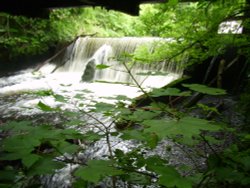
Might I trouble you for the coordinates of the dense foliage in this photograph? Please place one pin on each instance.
(194, 27)
(20, 35)
(29, 149)
(28, 36)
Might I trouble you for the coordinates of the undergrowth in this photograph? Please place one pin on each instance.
(30, 150)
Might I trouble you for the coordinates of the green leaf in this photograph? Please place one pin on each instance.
(79, 96)
(102, 66)
(29, 160)
(173, 2)
(21, 144)
(103, 107)
(45, 165)
(205, 89)
(59, 98)
(169, 176)
(70, 134)
(96, 170)
(122, 97)
(168, 92)
(141, 115)
(188, 127)
(17, 126)
(154, 161)
(65, 147)
(44, 107)
(150, 138)
(136, 178)
(133, 134)
(12, 156)
(80, 183)
(44, 93)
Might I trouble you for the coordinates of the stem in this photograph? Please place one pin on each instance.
(210, 147)
(144, 92)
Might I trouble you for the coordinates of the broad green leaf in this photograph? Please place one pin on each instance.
(29, 160)
(158, 105)
(133, 134)
(151, 139)
(136, 178)
(102, 66)
(17, 126)
(207, 108)
(173, 2)
(154, 161)
(122, 97)
(65, 147)
(103, 107)
(169, 176)
(205, 89)
(44, 107)
(79, 96)
(12, 156)
(45, 165)
(59, 98)
(188, 127)
(168, 92)
(96, 170)
(44, 93)
(80, 183)
(21, 144)
(71, 134)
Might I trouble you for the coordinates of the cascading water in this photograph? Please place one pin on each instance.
(75, 72)
(90, 52)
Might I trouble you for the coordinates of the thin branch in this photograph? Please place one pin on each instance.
(210, 147)
(144, 92)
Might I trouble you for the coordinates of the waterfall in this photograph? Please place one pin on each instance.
(86, 53)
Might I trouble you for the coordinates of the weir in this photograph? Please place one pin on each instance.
(85, 54)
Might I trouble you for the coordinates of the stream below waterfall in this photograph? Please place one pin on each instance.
(74, 76)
